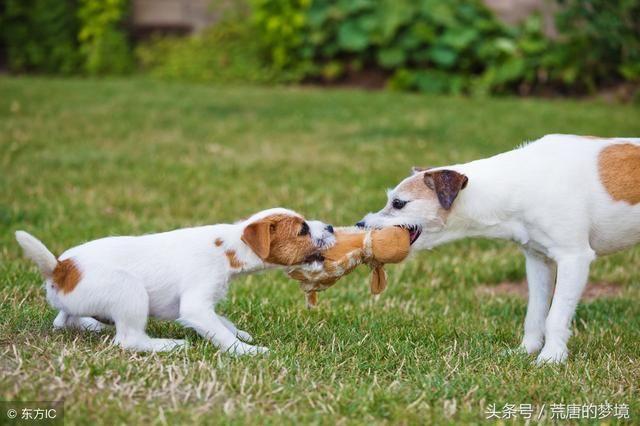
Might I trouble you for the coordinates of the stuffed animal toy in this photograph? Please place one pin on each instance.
(353, 246)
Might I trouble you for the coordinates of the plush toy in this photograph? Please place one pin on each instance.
(353, 247)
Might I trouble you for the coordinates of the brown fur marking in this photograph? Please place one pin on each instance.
(619, 167)
(66, 275)
(219, 242)
(234, 262)
(447, 184)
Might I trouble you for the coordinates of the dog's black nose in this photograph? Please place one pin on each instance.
(360, 224)
(329, 228)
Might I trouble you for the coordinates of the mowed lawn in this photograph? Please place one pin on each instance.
(83, 159)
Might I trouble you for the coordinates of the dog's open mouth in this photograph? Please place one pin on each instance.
(414, 232)
(316, 257)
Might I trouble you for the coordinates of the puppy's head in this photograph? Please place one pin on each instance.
(419, 203)
(283, 237)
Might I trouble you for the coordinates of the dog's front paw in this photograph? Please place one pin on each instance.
(552, 354)
(243, 335)
(240, 348)
(531, 344)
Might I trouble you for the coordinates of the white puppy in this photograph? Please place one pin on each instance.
(178, 275)
(563, 198)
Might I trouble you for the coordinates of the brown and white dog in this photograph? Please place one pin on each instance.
(178, 275)
(565, 199)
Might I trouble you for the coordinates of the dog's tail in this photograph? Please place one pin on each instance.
(37, 252)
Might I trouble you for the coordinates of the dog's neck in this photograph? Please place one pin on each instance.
(489, 207)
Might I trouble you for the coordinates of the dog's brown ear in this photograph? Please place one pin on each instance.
(257, 236)
(446, 184)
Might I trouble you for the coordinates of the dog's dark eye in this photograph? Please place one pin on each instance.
(398, 204)
(304, 229)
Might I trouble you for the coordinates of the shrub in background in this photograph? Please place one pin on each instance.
(451, 46)
(225, 53)
(599, 43)
(65, 36)
(428, 45)
(40, 35)
(282, 31)
(435, 46)
(103, 44)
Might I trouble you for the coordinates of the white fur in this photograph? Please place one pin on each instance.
(177, 275)
(547, 197)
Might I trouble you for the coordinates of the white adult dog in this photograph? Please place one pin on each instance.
(178, 275)
(565, 199)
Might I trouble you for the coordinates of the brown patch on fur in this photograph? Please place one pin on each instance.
(447, 184)
(234, 262)
(66, 275)
(218, 242)
(276, 239)
(520, 290)
(619, 167)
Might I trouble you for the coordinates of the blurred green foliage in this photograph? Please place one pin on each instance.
(432, 46)
(103, 44)
(40, 35)
(451, 46)
(65, 36)
(282, 27)
(600, 42)
(227, 53)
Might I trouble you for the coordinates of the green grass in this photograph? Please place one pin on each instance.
(82, 159)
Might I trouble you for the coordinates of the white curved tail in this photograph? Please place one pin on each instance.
(37, 252)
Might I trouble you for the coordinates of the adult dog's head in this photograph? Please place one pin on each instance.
(420, 203)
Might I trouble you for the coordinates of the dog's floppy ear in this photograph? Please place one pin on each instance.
(257, 236)
(447, 184)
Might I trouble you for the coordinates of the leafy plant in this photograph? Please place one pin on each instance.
(282, 33)
(452, 46)
(600, 42)
(103, 44)
(40, 35)
(228, 52)
(426, 45)
(65, 36)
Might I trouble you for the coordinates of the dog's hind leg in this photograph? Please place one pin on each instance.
(541, 272)
(125, 300)
(573, 272)
(240, 334)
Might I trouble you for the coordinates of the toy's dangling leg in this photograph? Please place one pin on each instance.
(312, 299)
(378, 279)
